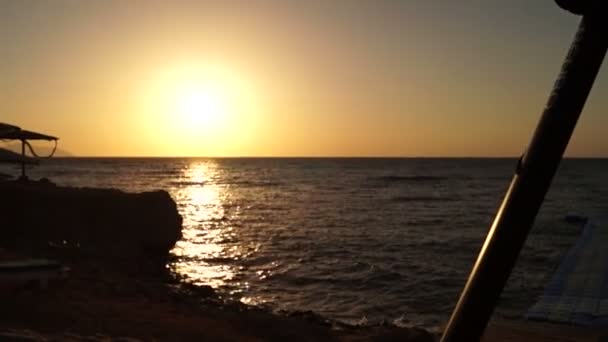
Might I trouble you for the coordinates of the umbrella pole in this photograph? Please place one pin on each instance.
(23, 162)
(531, 181)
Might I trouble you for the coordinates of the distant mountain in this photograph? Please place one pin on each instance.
(41, 150)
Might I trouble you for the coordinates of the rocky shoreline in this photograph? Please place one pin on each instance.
(96, 222)
(119, 288)
(117, 247)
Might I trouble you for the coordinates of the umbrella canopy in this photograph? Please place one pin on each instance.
(25, 135)
(6, 128)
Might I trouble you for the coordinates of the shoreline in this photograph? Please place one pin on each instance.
(116, 246)
(125, 291)
(97, 300)
(95, 303)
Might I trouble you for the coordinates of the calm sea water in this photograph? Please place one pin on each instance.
(356, 240)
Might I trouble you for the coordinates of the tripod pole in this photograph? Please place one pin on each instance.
(533, 176)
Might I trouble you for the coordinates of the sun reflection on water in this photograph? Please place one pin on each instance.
(209, 243)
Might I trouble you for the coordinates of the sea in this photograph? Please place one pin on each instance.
(355, 240)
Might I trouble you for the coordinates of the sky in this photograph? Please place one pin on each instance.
(407, 78)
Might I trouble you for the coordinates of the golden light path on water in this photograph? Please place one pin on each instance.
(210, 245)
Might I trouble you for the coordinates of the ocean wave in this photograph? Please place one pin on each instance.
(401, 179)
(245, 183)
(227, 260)
(423, 222)
(422, 199)
(169, 172)
(186, 183)
(251, 183)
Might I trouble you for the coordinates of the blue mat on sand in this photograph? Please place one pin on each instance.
(578, 291)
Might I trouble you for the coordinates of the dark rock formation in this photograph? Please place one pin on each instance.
(94, 222)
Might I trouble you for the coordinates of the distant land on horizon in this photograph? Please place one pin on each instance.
(40, 150)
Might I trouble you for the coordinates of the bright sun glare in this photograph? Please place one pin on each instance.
(201, 106)
(199, 110)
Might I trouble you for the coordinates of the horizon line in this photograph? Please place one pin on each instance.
(313, 157)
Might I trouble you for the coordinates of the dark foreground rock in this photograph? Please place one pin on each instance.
(118, 288)
(97, 222)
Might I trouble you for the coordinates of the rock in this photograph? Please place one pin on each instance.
(96, 222)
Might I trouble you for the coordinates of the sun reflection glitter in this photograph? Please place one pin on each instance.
(208, 244)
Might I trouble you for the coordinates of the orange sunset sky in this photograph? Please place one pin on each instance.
(288, 78)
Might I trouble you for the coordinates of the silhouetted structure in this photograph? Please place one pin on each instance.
(10, 132)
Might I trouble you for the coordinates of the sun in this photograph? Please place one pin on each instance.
(197, 109)
(200, 105)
